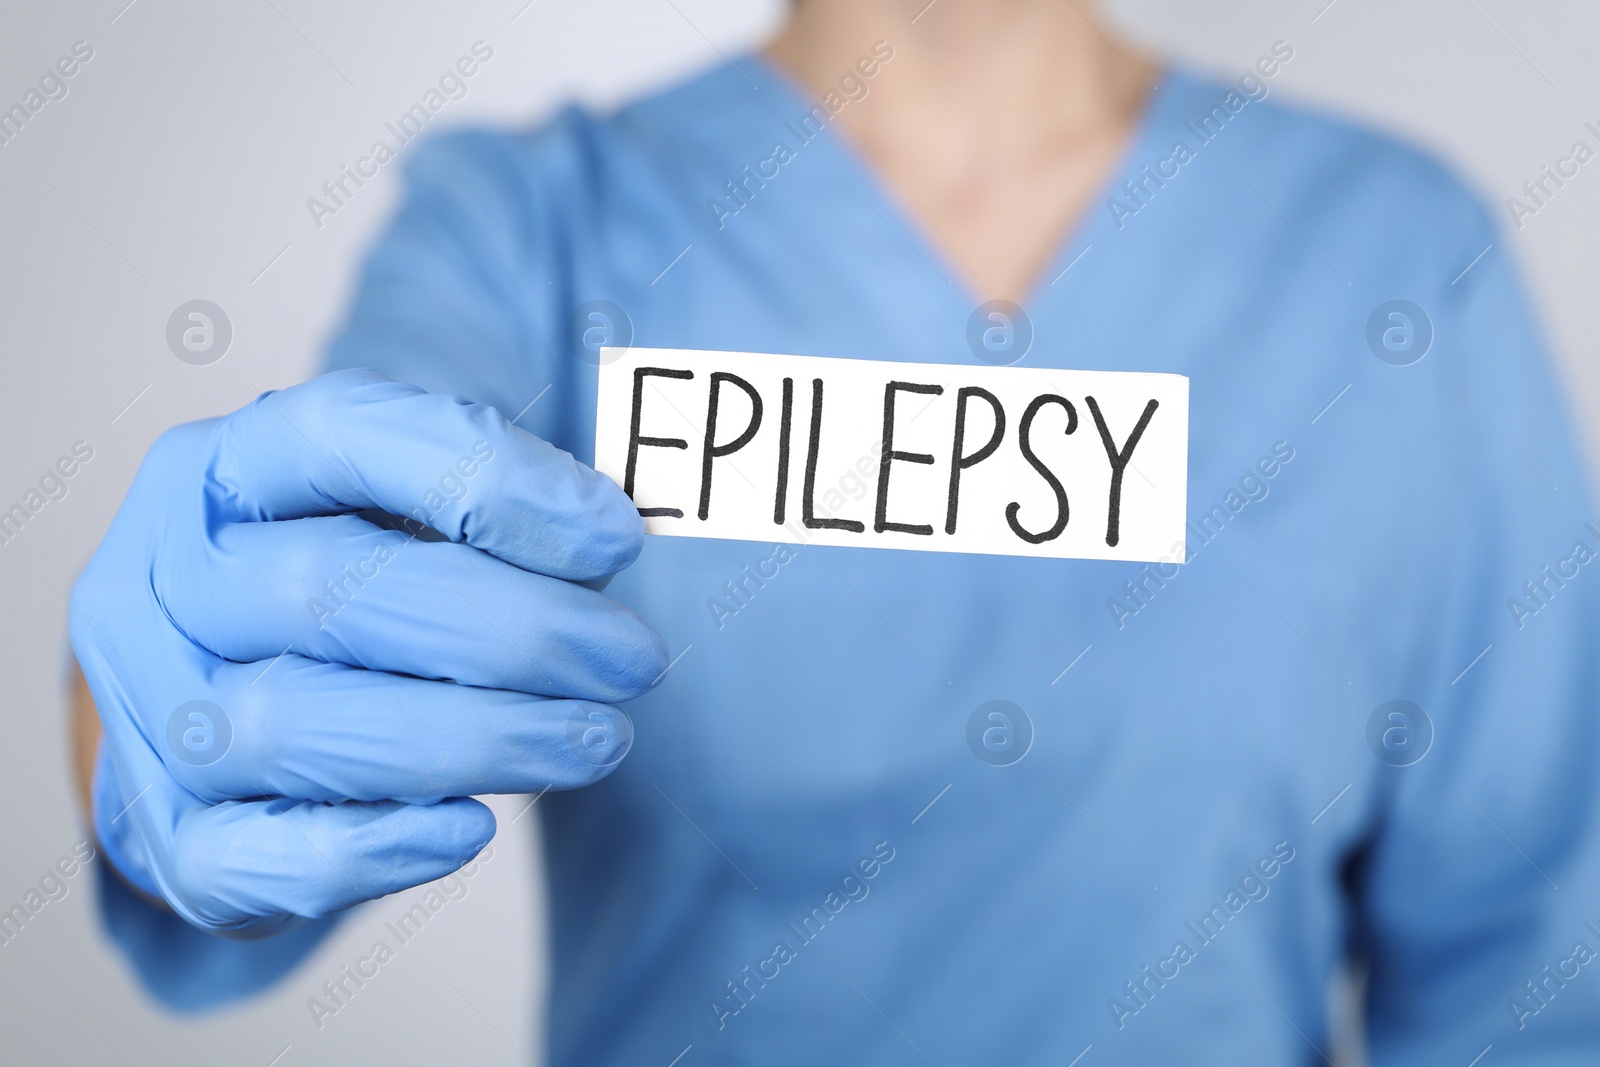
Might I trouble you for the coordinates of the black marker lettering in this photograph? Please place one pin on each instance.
(880, 521)
(712, 450)
(1119, 462)
(808, 502)
(782, 497)
(958, 462)
(1023, 442)
(635, 440)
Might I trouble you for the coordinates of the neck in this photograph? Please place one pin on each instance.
(1016, 76)
(993, 124)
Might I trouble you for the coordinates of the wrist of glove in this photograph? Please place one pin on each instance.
(119, 846)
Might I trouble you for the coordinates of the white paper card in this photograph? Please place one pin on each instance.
(937, 457)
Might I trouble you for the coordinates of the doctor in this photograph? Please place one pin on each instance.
(1332, 732)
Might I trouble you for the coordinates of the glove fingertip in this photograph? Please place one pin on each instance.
(613, 530)
(476, 825)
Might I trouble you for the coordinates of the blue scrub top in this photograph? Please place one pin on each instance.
(803, 860)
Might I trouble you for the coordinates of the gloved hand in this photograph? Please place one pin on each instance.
(298, 703)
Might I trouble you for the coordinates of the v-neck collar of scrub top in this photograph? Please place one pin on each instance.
(786, 99)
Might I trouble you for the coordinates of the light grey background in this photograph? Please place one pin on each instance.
(178, 167)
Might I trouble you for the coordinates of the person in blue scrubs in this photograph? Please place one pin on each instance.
(1358, 724)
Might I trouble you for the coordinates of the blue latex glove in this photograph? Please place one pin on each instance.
(297, 703)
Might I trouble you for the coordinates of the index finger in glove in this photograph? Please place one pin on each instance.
(354, 440)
